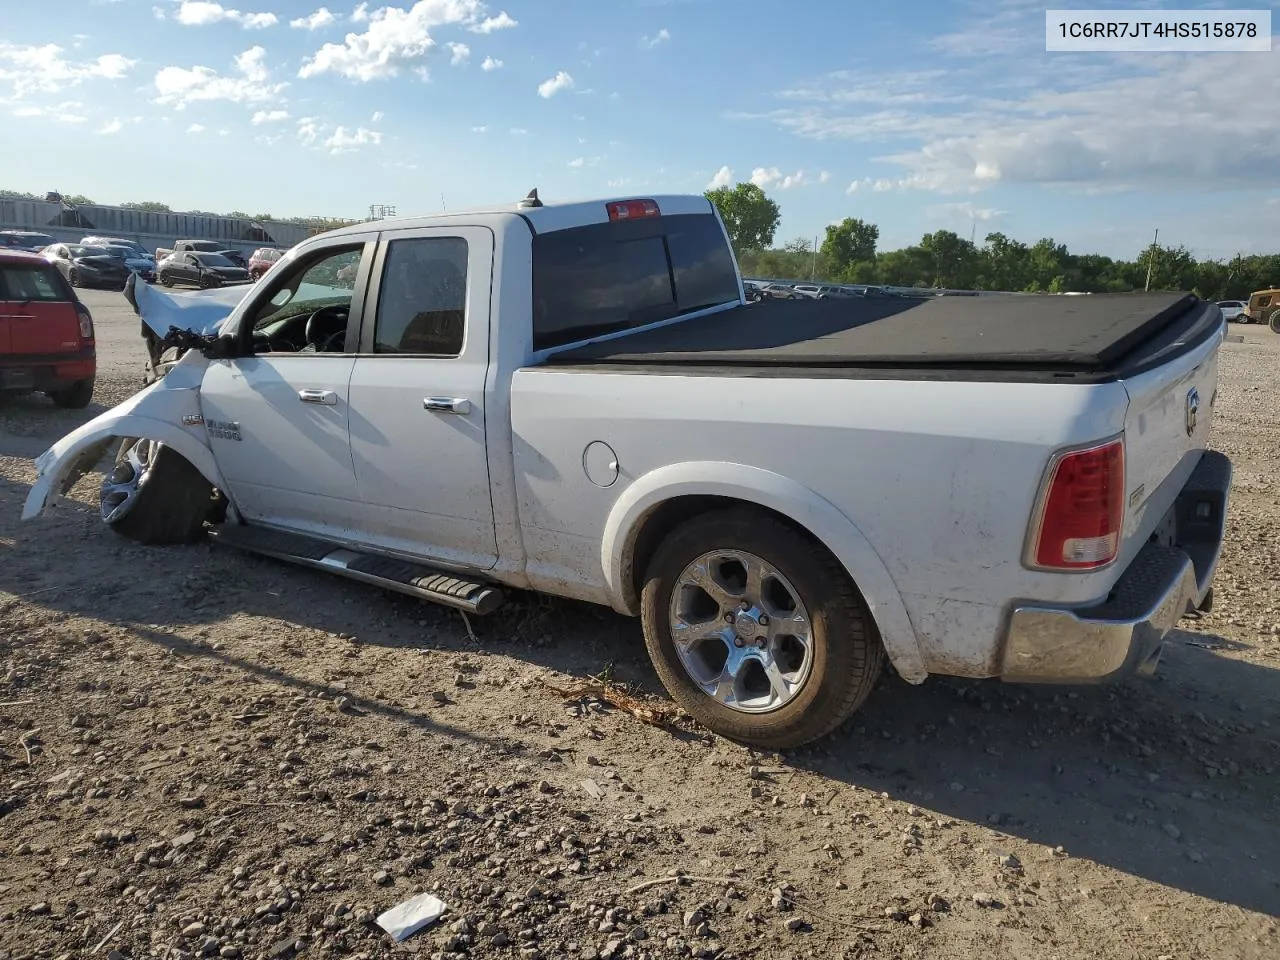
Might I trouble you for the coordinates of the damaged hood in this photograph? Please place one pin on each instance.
(200, 311)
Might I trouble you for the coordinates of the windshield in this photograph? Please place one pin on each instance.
(78, 250)
(213, 260)
(121, 253)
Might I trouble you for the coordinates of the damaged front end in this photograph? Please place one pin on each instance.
(167, 412)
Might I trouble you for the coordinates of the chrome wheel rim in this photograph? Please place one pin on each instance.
(741, 631)
(121, 486)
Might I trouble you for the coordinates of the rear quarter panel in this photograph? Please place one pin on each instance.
(939, 477)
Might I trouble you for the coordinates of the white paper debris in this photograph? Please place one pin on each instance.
(405, 919)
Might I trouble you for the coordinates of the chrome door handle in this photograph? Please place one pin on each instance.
(327, 397)
(446, 404)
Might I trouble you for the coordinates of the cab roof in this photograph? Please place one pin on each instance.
(546, 218)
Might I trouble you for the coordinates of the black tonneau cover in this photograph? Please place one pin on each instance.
(1069, 333)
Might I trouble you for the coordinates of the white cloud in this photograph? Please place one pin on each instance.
(772, 176)
(460, 53)
(723, 178)
(1052, 122)
(395, 40)
(662, 36)
(111, 126)
(321, 18)
(619, 182)
(201, 13)
(824, 176)
(479, 129)
(491, 64)
(490, 24)
(360, 14)
(65, 112)
(180, 86)
(549, 88)
(377, 115)
(196, 128)
(308, 130)
(518, 131)
(269, 116)
(964, 211)
(43, 69)
(343, 142)
(577, 162)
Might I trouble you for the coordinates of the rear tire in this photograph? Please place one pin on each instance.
(166, 280)
(75, 397)
(834, 670)
(1275, 322)
(154, 495)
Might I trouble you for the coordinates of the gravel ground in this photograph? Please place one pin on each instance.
(207, 754)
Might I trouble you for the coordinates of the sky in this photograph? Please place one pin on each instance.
(916, 116)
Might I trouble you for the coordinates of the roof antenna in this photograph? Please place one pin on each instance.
(531, 200)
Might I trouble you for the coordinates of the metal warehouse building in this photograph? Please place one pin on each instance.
(68, 223)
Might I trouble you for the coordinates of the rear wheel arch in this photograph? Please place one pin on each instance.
(659, 502)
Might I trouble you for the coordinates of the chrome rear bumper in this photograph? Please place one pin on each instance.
(1123, 634)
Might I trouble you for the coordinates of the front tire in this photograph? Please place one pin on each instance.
(757, 631)
(75, 397)
(153, 495)
(1275, 322)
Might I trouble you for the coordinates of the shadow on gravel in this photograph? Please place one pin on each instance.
(1176, 779)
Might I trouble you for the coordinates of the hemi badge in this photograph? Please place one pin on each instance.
(192, 420)
(1135, 498)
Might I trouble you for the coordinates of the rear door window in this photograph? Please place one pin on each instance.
(606, 277)
(35, 283)
(422, 303)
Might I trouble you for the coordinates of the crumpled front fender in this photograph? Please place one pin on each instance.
(168, 412)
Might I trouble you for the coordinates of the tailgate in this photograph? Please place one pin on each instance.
(1166, 430)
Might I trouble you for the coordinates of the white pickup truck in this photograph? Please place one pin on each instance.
(576, 399)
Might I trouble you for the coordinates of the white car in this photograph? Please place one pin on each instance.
(575, 399)
(1233, 310)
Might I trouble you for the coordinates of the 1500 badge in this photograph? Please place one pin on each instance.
(223, 429)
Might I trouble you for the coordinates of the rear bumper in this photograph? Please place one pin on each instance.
(1123, 635)
(46, 371)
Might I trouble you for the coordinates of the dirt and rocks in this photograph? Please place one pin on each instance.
(205, 754)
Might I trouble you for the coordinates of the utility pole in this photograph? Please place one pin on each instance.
(1151, 258)
(813, 269)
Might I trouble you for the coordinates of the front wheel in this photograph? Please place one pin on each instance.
(153, 495)
(1275, 322)
(757, 631)
(166, 280)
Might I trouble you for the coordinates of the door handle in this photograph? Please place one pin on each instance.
(447, 405)
(327, 397)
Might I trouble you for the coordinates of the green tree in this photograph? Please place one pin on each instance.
(955, 260)
(750, 217)
(148, 206)
(77, 199)
(849, 242)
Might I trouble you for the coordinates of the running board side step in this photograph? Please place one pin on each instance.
(412, 579)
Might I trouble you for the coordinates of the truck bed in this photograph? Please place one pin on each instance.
(1097, 337)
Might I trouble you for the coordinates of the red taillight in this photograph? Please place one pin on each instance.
(86, 321)
(632, 209)
(1083, 510)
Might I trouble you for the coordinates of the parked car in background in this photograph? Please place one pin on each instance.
(84, 266)
(46, 333)
(1232, 310)
(28, 240)
(139, 251)
(262, 260)
(204, 246)
(820, 291)
(144, 267)
(199, 270)
(778, 291)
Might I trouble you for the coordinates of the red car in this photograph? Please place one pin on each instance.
(263, 259)
(46, 333)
